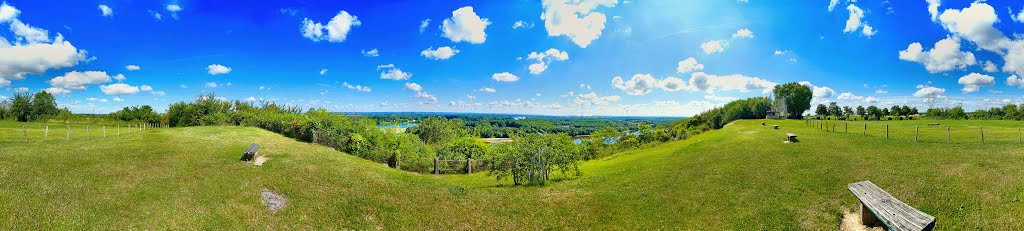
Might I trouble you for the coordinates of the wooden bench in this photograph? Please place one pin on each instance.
(933, 124)
(791, 137)
(877, 205)
(251, 152)
(775, 126)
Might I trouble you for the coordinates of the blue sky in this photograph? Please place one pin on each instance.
(555, 57)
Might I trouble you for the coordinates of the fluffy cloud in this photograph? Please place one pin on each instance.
(819, 93)
(975, 23)
(29, 33)
(672, 84)
(487, 89)
(545, 58)
(929, 92)
(639, 84)
(119, 77)
(465, 25)
(689, 65)
(704, 82)
(431, 99)
(21, 90)
(933, 8)
(945, 56)
(210, 85)
(592, 99)
(855, 22)
(370, 53)
(743, 33)
(132, 68)
(323, 71)
(217, 69)
(35, 58)
(1019, 17)
(78, 80)
(1015, 81)
(832, 5)
(504, 77)
(990, 67)
(413, 87)
(118, 99)
(356, 87)
(337, 29)
(973, 82)
(119, 89)
(441, 53)
(4, 82)
(8, 12)
(849, 97)
(106, 11)
(575, 19)
(714, 46)
(57, 91)
(393, 73)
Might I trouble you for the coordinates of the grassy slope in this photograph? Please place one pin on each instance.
(741, 177)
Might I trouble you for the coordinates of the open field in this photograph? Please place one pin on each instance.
(740, 177)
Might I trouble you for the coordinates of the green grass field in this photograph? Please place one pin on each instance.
(740, 177)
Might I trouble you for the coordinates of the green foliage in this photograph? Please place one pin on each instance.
(536, 154)
(43, 106)
(834, 110)
(144, 113)
(463, 148)
(20, 107)
(797, 97)
(821, 110)
(438, 130)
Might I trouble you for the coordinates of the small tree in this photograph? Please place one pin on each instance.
(834, 110)
(21, 107)
(43, 106)
(796, 96)
(822, 110)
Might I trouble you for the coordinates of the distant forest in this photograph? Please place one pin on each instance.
(503, 125)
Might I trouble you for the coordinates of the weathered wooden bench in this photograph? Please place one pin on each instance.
(251, 152)
(762, 124)
(775, 126)
(791, 137)
(877, 205)
(933, 124)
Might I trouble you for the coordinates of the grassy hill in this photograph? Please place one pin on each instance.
(740, 177)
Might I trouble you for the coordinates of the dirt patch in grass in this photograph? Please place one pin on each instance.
(260, 160)
(273, 200)
(851, 222)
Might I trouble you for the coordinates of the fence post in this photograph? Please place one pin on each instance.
(25, 132)
(847, 127)
(47, 133)
(436, 170)
(917, 130)
(69, 132)
(833, 126)
(865, 129)
(129, 129)
(947, 134)
(104, 131)
(982, 129)
(469, 166)
(1018, 136)
(887, 131)
(88, 134)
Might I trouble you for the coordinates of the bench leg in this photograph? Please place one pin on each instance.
(867, 217)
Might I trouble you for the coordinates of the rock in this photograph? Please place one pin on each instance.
(273, 201)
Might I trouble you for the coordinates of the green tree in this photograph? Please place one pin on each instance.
(20, 107)
(438, 130)
(43, 106)
(834, 109)
(873, 112)
(822, 110)
(861, 111)
(796, 96)
(847, 111)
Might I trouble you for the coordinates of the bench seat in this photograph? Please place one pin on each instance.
(879, 205)
(251, 152)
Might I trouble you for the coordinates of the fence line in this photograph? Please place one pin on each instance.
(825, 126)
(68, 132)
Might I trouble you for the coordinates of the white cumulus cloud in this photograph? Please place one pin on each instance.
(119, 89)
(78, 80)
(217, 69)
(945, 56)
(575, 19)
(465, 25)
(743, 33)
(544, 58)
(336, 30)
(714, 46)
(689, 65)
(393, 73)
(504, 77)
(973, 82)
(106, 11)
(441, 53)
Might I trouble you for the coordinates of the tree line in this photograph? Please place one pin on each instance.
(870, 112)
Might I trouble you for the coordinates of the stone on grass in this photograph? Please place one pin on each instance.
(273, 201)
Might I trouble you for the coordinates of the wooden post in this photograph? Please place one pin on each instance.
(104, 131)
(129, 129)
(469, 166)
(69, 132)
(25, 132)
(865, 129)
(887, 131)
(833, 126)
(917, 130)
(982, 129)
(1018, 136)
(118, 130)
(436, 170)
(47, 132)
(88, 134)
(847, 127)
(947, 134)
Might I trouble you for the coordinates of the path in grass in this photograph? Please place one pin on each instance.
(741, 177)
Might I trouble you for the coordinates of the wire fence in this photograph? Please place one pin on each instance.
(925, 131)
(33, 132)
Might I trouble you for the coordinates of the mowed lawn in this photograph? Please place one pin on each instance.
(740, 177)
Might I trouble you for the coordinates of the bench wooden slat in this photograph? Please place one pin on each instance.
(895, 214)
(250, 152)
